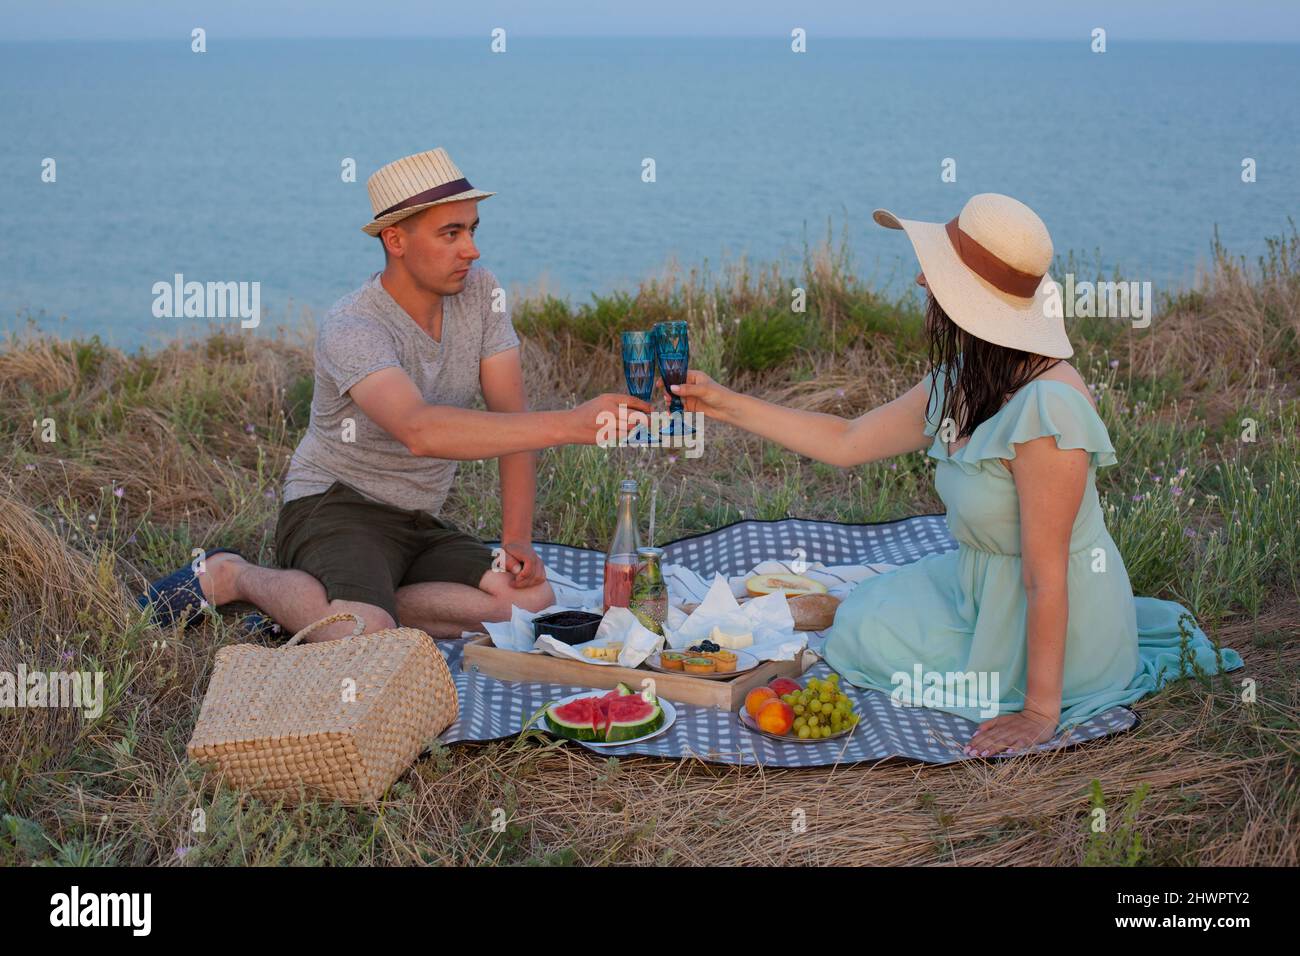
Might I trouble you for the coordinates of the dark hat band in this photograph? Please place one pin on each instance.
(429, 195)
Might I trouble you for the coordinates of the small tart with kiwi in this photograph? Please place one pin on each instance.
(699, 665)
(672, 660)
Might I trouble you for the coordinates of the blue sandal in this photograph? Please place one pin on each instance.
(177, 598)
(255, 625)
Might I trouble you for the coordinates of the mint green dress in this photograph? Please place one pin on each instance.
(964, 611)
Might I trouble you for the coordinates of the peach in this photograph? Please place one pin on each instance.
(776, 717)
(756, 698)
(784, 685)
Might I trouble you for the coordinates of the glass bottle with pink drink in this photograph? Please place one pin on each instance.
(621, 561)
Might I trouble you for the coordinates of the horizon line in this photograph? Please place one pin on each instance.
(1062, 38)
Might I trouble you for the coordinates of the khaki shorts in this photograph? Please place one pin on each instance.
(361, 550)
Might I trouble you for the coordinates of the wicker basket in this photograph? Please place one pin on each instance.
(337, 719)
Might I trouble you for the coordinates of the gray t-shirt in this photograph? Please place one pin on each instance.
(367, 331)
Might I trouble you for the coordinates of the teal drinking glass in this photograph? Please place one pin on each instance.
(673, 351)
(639, 370)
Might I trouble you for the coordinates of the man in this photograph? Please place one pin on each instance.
(398, 363)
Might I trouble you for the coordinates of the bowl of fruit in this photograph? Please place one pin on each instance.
(808, 713)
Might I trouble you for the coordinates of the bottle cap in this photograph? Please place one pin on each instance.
(646, 551)
(626, 485)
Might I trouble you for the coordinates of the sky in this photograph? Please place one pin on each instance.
(1179, 20)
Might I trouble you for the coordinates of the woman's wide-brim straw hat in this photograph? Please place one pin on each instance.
(412, 183)
(987, 268)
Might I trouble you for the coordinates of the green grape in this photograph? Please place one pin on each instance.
(815, 707)
(799, 709)
(834, 678)
(824, 697)
(800, 722)
(805, 733)
(813, 720)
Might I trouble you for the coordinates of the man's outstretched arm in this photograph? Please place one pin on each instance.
(393, 403)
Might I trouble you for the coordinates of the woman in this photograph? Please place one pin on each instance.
(1035, 598)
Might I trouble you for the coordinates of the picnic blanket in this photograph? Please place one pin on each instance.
(491, 709)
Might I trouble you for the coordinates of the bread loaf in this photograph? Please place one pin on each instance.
(813, 612)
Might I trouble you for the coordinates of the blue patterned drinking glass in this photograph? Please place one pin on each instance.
(673, 349)
(639, 370)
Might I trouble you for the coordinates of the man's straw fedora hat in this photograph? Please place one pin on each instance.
(404, 187)
(987, 267)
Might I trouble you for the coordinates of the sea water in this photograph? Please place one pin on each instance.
(229, 166)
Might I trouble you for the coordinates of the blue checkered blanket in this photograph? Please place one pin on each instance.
(491, 709)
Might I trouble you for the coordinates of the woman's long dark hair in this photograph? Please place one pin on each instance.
(979, 376)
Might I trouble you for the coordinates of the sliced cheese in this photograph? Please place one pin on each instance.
(732, 642)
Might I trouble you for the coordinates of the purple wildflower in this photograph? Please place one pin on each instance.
(250, 428)
(1114, 363)
(119, 492)
(31, 467)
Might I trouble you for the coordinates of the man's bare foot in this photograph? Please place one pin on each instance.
(220, 578)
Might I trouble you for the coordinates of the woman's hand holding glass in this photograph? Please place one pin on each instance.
(700, 393)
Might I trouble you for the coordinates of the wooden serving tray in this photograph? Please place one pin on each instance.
(482, 656)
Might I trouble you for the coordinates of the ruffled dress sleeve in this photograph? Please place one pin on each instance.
(1043, 407)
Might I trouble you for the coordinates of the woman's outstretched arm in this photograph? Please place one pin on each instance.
(887, 430)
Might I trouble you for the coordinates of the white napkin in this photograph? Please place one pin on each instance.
(768, 618)
(516, 634)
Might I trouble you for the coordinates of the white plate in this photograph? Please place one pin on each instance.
(670, 715)
(744, 662)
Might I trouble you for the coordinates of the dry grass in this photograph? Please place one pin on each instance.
(196, 438)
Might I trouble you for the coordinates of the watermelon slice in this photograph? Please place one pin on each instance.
(631, 717)
(609, 718)
(577, 719)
